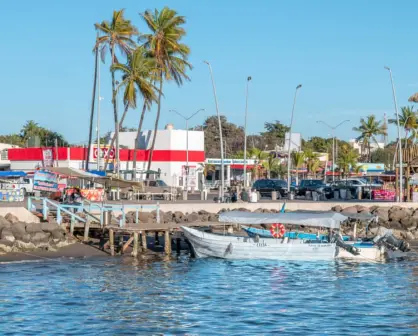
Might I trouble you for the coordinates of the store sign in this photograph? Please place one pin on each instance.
(104, 153)
(47, 158)
(229, 161)
(190, 172)
(11, 195)
(45, 181)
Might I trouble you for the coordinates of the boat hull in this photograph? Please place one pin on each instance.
(233, 247)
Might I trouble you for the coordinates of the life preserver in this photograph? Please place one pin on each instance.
(277, 230)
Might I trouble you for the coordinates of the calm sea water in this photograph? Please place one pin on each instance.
(208, 297)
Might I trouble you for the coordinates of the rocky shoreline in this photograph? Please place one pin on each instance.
(16, 236)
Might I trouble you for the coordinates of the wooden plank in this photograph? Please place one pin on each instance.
(136, 245)
(126, 245)
(86, 230)
(112, 242)
(167, 242)
(144, 241)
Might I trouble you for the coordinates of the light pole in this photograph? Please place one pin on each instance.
(399, 137)
(220, 132)
(245, 135)
(187, 142)
(334, 148)
(290, 138)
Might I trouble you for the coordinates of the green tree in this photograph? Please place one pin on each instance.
(164, 45)
(137, 77)
(117, 33)
(347, 158)
(275, 133)
(298, 159)
(312, 161)
(407, 120)
(369, 128)
(269, 163)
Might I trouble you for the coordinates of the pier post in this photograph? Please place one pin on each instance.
(136, 245)
(112, 242)
(178, 242)
(72, 224)
(167, 242)
(86, 230)
(144, 240)
(157, 239)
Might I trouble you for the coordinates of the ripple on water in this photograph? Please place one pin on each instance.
(208, 297)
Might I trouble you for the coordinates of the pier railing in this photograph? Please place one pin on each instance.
(93, 211)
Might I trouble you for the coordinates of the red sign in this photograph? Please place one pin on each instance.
(105, 152)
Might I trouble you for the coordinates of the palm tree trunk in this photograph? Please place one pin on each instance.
(115, 108)
(112, 142)
(157, 119)
(92, 108)
(406, 140)
(138, 132)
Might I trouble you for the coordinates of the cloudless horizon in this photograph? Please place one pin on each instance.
(336, 50)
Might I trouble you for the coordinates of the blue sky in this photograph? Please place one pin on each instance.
(336, 49)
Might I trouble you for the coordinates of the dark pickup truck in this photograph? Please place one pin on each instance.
(314, 185)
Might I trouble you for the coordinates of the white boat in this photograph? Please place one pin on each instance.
(233, 247)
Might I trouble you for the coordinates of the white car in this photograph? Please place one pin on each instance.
(25, 185)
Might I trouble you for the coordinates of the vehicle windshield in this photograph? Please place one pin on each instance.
(161, 183)
(312, 182)
(280, 183)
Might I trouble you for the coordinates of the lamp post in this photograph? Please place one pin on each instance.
(334, 148)
(399, 137)
(245, 134)
(290, 138)
(220, 132)
(187, 142)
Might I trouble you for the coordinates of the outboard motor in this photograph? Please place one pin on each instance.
(338, 240)
(387, 239)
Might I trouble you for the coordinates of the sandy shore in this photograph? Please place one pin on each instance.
(76, 250)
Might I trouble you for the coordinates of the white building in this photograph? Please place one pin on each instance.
(373, 145)
(169, 156)
(4, 156)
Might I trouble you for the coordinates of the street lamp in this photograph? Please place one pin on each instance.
(220, 132)
(245, 134)
(399, 137)
(290, 138)
(334, 147)
(187, 142)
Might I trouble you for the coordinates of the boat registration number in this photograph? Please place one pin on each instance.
(319, 245)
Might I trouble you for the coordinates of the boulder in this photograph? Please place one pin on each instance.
(33, 227)
(59, 234)
(7, 234)
(398, 213)
(337, 208)
(4, 222)
(213, 218)
(49, 227)
(178, 215)
(19, 230)
(40, 238)
(144, 217)
(193, 217)
(11, 218)
(349, 210)
(244, 210)
(394, 225)
(202, 212)
(382, 213)
(408, 223)
(362, 209)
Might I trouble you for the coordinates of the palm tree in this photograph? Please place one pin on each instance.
(269, 163)
(347, 158)
(137, 75)
(30, 128)
(407, 120)
(170, 54)
(312, 161)
(117, 33)
(298, 158)
(96, 59)
(369, 129)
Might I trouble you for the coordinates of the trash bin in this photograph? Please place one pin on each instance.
(343, 193)
(315, 196)
(244, 196)
(274, 195)
(336, 194)
(291, 195)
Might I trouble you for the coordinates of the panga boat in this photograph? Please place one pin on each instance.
(281, 247)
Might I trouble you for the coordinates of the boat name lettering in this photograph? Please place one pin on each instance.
(261, 244)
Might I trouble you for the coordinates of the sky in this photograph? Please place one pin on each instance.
(337, 50)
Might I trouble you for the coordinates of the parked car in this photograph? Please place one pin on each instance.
(353, 184)
(314, 185)
(266, 186)
(160, 187)
(25, 185)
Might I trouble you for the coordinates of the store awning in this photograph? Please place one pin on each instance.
(12, 174)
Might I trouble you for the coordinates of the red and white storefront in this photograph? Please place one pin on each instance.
(169, 156)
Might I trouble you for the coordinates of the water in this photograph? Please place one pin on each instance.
(208, 297)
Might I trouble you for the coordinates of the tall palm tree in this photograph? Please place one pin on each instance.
(118, 34)
(312, 161)
(30, 128)
(96, 59)
(369, 129)
(298, 158)
(269, 163)
(407, 120)
(170, 54)
(347, 158)
(137, 76)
